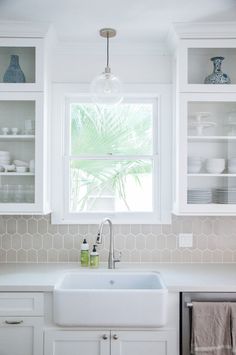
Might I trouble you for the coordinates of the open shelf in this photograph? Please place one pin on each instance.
(209, 139)
(212, 175)
(16, 174)
(26, 57)
(17, 137)
(200, 65)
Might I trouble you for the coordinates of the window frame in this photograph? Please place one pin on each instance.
(63, 95)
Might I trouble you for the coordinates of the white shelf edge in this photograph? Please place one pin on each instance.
(17, 136)
(211, 138)
(16, 174)
(207, 175)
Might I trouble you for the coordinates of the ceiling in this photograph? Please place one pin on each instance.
(135, 20)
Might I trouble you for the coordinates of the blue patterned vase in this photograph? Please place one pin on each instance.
(14, 74)
(217, 77)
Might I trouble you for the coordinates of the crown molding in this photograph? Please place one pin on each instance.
(199, 30)
(205, 29)
(23, 29)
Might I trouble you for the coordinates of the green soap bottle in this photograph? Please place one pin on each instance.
(84, 254)
(94, 258)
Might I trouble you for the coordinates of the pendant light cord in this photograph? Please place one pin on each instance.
(107, 49)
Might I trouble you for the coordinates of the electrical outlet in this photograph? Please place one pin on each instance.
(185, 240)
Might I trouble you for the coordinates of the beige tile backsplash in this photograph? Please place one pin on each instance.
(32, 239)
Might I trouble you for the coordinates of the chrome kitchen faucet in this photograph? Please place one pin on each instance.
(111, 258)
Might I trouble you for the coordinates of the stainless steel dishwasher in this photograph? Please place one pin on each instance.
(186, 312)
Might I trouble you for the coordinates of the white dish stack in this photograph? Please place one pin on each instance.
(5, 158)
(225, 195)
(199, 196)
(215, 166)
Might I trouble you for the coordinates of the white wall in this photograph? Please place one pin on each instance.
(133, 64)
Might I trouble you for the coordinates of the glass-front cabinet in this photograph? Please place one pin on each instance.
(23, 122)
(207, 181)
(21, 151)
(205, 120)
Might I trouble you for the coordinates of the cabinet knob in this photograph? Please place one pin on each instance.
(115, 337)
(105, 337)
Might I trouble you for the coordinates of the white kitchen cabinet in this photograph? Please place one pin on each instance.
(21, 323)
(24, 124)
(23, 192)
(75, 342)
(216, 142)
(105, 342)
(205, 122)
(21, 335)
(143, 342)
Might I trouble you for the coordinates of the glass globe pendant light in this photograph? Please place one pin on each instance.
(106, 88)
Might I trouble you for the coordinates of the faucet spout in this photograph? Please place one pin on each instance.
(111, 258)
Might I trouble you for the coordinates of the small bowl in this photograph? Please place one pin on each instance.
(9, 167)
(215, 166)
(21, 169)
(194, 168)
(21, 163)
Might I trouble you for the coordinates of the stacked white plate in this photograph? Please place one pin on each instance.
(201, 196)
(225, 195)
(5, 157)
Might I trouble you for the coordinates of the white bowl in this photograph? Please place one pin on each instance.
(215, 166)
(21, 169)
(21, 163)
(4, 153)
(194, 168)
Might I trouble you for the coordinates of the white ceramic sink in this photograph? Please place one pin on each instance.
(111, 298)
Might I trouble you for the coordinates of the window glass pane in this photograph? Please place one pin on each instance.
(111, 185)
(101, 130)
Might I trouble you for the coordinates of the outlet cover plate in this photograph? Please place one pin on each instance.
(185, 240)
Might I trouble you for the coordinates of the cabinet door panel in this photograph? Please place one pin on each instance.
(76, 343)
(143, 342)
(25, 338)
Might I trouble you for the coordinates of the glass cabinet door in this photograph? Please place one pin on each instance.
(211, 152)
(17, 152)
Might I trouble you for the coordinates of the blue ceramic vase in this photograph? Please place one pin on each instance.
(14, 74)
(217, 77)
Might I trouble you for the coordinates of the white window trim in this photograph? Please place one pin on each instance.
(162, 93)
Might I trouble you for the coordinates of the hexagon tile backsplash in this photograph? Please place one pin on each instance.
(32, 239)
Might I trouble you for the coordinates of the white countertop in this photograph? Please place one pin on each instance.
(177, 277)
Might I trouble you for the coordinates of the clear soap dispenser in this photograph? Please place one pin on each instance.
(84, 254)
(94, 258)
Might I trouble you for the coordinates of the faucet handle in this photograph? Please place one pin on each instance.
(118, 259)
